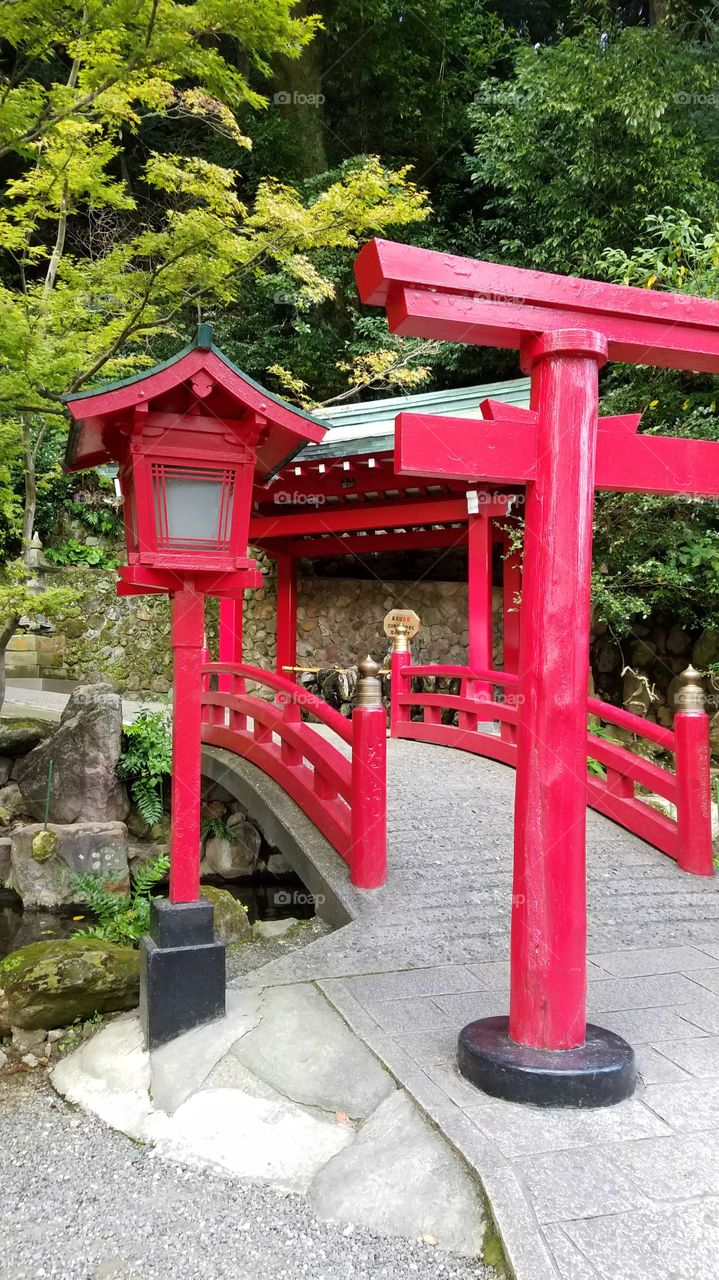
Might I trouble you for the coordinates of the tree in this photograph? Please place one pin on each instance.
(588, 137)
(103, 260)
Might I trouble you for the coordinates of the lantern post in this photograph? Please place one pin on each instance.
(192, 438)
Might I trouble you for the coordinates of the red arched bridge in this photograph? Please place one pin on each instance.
(334, 768)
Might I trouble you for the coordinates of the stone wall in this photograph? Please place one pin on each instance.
(340, 620)
(127, 640)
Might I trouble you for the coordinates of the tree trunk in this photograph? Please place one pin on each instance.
(298, 96)
(658, 12)
(28, 519)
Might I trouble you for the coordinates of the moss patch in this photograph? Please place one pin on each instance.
(44, 845)
(50, 984)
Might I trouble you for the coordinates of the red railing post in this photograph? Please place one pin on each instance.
(399, 682)
(691, 764)
(368, 855)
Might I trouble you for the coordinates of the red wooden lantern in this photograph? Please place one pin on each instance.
(191, 438)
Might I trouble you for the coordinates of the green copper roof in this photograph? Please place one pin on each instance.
(201, 342)
(369, 428)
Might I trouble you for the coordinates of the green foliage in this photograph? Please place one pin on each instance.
(122, 918)
(74, 552)
(214, 828)
(117, 222)
(146, 759)
(18, 599)
(592, 134)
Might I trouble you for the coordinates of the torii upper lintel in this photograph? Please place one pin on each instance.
(439, 295)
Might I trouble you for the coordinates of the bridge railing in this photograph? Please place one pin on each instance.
(477, 720)
(340, 784)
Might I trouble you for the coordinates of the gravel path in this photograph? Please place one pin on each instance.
(78, 1200)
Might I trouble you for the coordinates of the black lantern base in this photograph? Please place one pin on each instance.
(182, 971)
(598, 1073)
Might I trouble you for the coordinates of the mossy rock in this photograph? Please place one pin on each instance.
(231, 922)
(17, 737)
(50, 984)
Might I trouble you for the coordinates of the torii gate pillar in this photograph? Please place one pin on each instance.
(548, 914)
(565, 329)
(546, 1051)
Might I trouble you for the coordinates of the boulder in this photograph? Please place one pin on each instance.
(6, 764)
(642, 653)
(50, 984)
(678, 641)
(231, 922)
(271, 930)
(278, 865)
(236, 857)
(17, 737)
(12, 803)
(99, 848)
(5, 847)
(706, 649)
(84, 752)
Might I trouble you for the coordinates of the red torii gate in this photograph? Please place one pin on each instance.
(565, 329)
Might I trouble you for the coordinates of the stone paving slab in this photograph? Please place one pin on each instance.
(675, 1244)
(430, 952)
(612, 995)
(580, 1184)
(708, 978)
(655, 1066)
(700, 1057)
(692, 1106)
(671, 1168)
(520, 1130)
(647, 960)
(571, 1264)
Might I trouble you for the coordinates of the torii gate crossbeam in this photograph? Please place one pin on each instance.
(565, 330)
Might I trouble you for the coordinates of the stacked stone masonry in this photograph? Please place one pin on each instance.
(127, 641)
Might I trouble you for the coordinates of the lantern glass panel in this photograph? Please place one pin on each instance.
(193, 506)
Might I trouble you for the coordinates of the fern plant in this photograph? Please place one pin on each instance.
(146, 759)
(122, 918)
(215, 828)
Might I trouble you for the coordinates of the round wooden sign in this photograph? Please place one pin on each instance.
(407, 617)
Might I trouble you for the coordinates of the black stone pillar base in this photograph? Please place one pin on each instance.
(599, 1073)
(182, 971)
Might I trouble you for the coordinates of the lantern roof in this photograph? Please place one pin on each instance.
(198, 376)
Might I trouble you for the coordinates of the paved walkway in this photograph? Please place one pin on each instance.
(49, 705)
(626, 1193)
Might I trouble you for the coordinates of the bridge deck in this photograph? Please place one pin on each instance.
(629, 1191)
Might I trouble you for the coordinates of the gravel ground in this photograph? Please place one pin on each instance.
(78, 1200)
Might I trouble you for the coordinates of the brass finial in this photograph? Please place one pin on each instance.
(400, 643)
(690, 694)
(368, 692)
